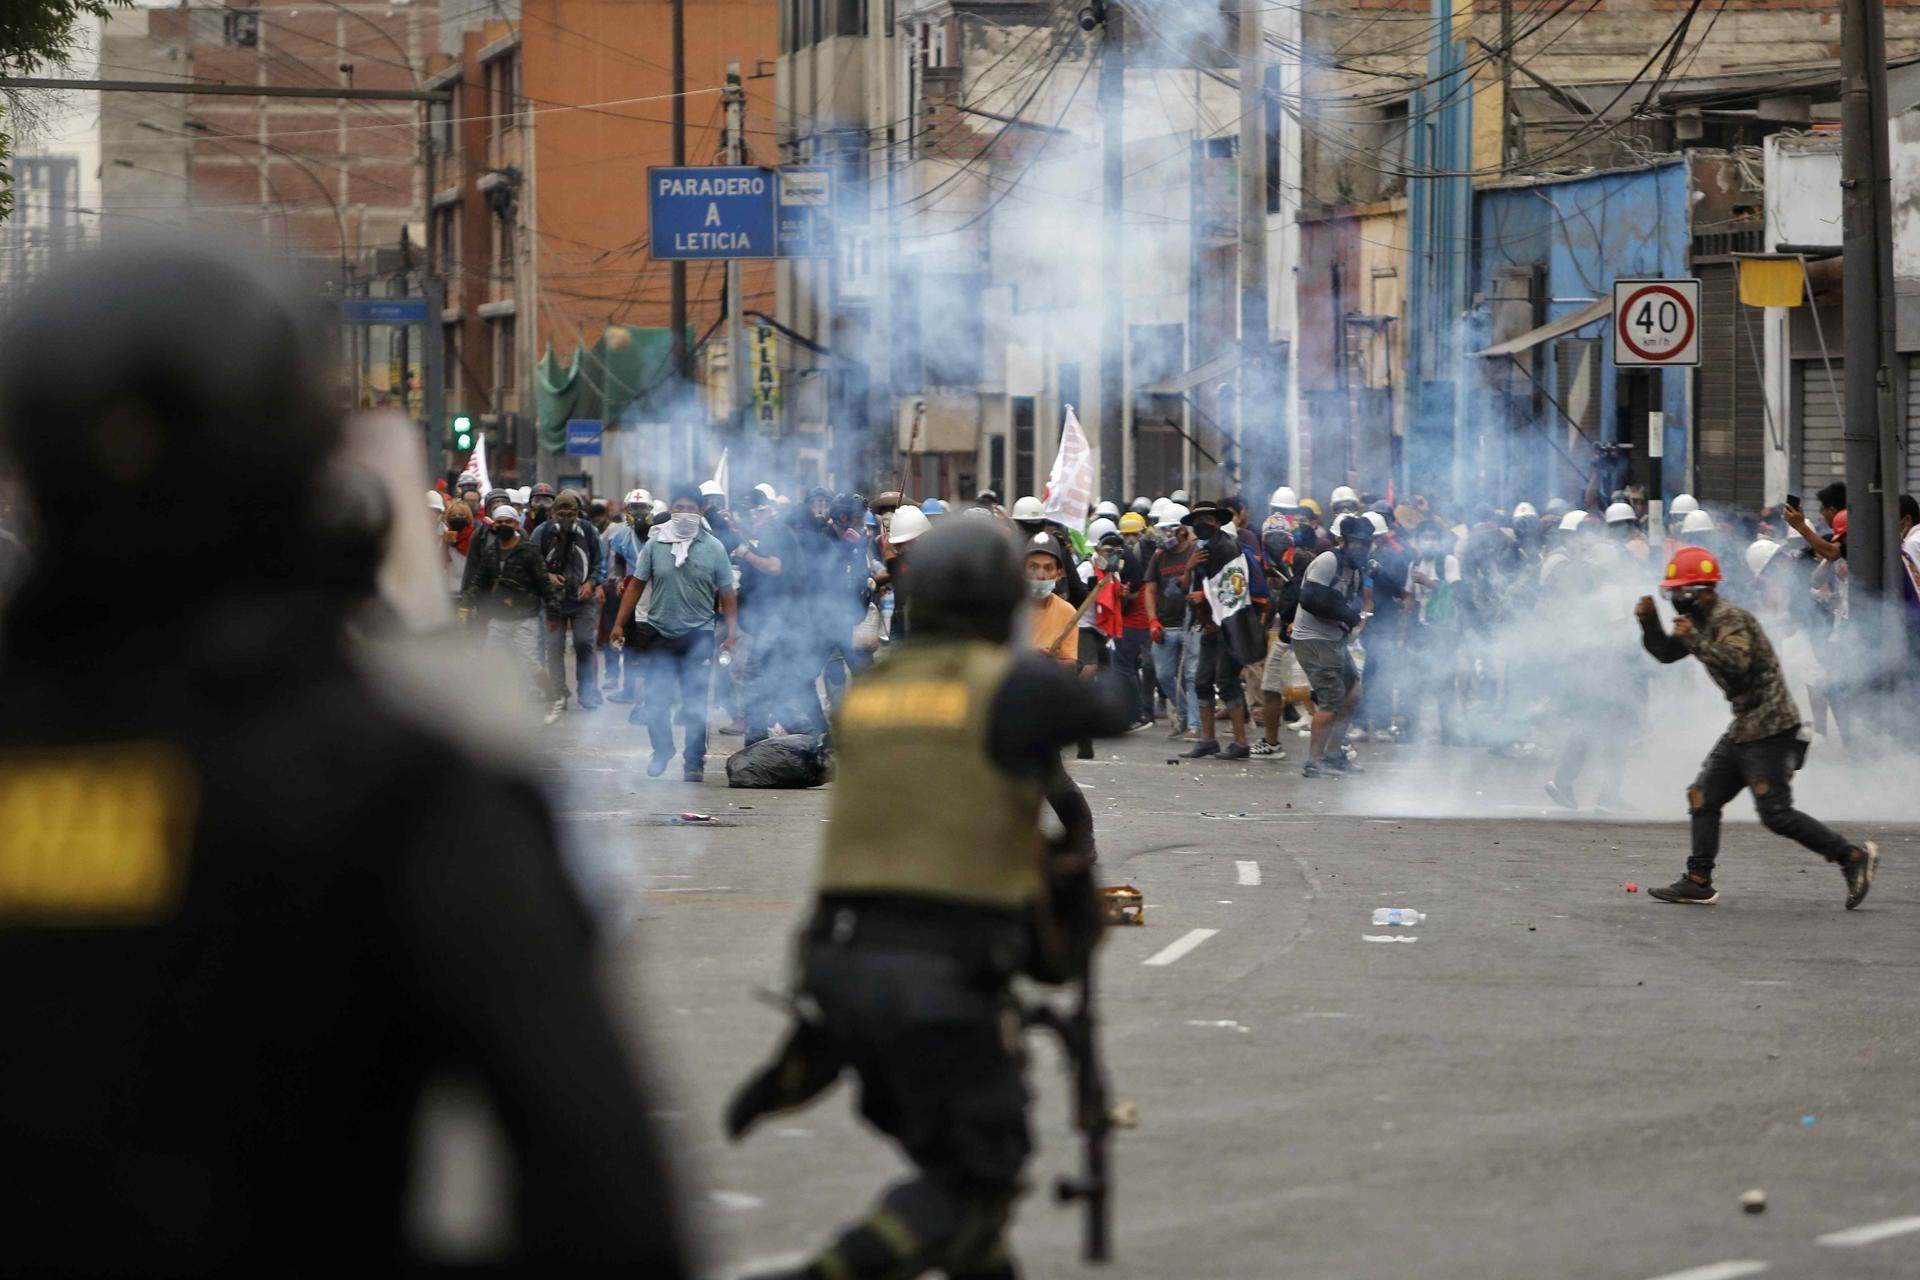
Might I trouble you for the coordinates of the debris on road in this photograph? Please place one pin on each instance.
(1397, 916)
(1754, 1201)
(1632, 887)
(1122, 904)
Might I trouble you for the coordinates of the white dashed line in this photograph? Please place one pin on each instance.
(1717, 1271)
(1871, 1233)
(1249, 872)
(1180, 947)
(735, 1200)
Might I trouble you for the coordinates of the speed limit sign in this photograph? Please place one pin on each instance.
(1656, 322)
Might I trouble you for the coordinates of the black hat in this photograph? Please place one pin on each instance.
(1356, 528)
(1211, 510)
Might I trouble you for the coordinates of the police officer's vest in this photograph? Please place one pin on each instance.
(918, 805)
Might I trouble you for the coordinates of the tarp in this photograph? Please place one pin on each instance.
(1771, 280)
(624, 366)
(1598, 309)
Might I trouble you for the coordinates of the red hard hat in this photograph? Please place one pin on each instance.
(1691, 567)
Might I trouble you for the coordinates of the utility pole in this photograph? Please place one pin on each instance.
(1263, 451)
(1869, 433)
(1113, 325)
(680, 412)
(1506, 84)
(735, 101)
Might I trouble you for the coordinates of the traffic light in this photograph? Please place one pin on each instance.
(462, 432)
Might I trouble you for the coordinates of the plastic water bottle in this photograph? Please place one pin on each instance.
(1397, 916)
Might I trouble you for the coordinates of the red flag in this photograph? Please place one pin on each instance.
(1108, 606)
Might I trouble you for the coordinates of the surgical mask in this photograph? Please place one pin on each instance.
(685, 524)
(1039, 588)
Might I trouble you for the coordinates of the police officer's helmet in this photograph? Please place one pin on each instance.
(966, 582)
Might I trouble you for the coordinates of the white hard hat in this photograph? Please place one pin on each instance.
(1171, 516)
(1524, 509)
(767, 489)
(709, 488)
(1156, 507)
(434, 501)
(1697, 521)
(1572, 520)
(1343, 494)
(1029, 508)
(1284, 497)
(1101, 528)
(1378, 521)
(1178, 496)
(908, 524)
(1621, 513)
(1107, 509)
(1760, 555)
(1684, 503)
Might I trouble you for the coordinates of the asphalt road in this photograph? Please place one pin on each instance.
(1548, 1077)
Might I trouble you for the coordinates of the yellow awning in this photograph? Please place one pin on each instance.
(1771, 280)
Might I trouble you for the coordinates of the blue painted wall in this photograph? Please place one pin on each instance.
(1586, 232)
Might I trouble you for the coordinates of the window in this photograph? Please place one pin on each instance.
(1022, 448)
(450, 362)
(446, 230)
(501, 78)
(997, 464)
(440, 126)
(241, 28)
(1274, 116)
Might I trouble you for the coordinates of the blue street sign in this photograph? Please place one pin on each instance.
(583, 437)
(711, 211)
(383, 310)
(805, 227)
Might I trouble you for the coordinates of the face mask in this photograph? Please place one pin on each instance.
(886, 521)
(457, 524)
(685, 524)
(1685, 599)
(1039, 588)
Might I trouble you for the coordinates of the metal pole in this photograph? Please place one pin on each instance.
(1113, 327)
(736, 299)
(1656, 461)
(1262, 453)
(1867, 287)
(680, 412)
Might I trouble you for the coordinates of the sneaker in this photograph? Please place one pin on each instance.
(1207, 748)
(1562, 796)
(1688, 892)
(693, 775)
(658, 765)
(1385, 735)
(1342, 763)
(1235, 751)
(1317, 769)
(733, 728)
(553, 712)
(1269, 750)
(620, 697)
(1356, 734)
(1859, 872)
(1178, 731)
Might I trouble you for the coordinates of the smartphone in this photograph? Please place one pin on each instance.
(1793, 500)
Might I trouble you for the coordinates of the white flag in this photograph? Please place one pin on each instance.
(477, 463)
(1069, 492)
(1228, 591)
(720, 475)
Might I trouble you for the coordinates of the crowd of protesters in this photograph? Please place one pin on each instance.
(1357, 619)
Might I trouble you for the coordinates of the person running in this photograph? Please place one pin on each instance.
(1761, 749)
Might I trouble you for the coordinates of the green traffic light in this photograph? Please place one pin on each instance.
(462, 431)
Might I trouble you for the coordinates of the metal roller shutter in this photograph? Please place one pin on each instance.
(1730, 418)
(1913, 416)
(1822, 454)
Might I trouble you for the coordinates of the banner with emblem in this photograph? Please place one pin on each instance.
(1229, 595)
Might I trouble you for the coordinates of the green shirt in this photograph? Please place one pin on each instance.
(684, 596)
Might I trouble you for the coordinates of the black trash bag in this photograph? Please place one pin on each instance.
(787, 762)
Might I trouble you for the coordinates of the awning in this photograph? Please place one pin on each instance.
(1218, 367)
(1598, 309)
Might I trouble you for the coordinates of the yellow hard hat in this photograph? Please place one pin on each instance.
(1310, 505)
(1133, 522)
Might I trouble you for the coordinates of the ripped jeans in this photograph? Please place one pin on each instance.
(1767, 765)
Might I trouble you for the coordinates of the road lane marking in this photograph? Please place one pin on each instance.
(1871, 1233)
(1717, 1271)
(1180, 946)
(1249, 872)
(738, 1200)
(1389, 937)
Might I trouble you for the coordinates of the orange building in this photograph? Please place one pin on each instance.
(540, 200)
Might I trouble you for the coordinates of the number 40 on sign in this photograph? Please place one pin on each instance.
(1656, 323)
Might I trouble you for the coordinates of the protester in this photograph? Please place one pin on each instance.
(689, 579)
(1218, 680)
(576, 565)
(1332, 613)
(1052, 621)
(1169, 578)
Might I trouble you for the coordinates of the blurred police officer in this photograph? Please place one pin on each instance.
(906, 961)
(236, 942)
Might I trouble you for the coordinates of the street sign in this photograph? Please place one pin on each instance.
(383, 310)
(1656, 323)
(583, 437)
(805, 228)
(711, 211)
(740, 211)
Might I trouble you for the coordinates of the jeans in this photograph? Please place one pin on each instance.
(1126, 665)
(1766, 765)
(586, 663)
(521, 639)
(680, 665)
(1169, 653)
